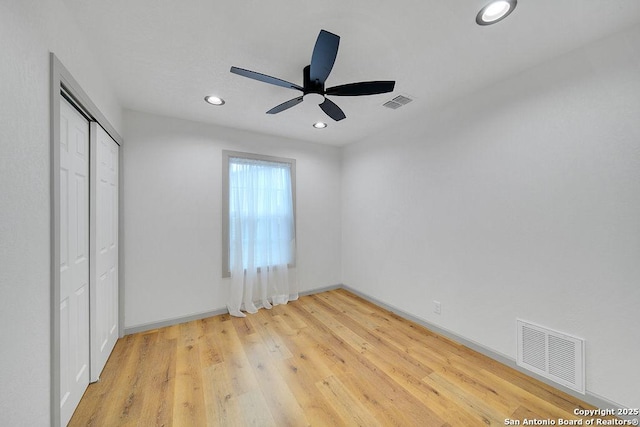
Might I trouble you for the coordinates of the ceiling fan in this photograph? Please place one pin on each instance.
(314, 77)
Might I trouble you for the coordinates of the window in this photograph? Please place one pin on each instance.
(258, 211)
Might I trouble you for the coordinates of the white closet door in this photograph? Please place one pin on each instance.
(104, 288)
(74, 258)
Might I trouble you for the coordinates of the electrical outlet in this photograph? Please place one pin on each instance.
(437, 307)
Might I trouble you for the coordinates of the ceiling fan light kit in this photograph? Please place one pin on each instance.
(314, 76)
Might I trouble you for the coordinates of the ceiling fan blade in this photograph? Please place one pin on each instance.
(324, 56)
(332, 110)
(362, 88)
(285, 105)
(264, 78)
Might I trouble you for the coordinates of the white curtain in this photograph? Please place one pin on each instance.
(261, 235)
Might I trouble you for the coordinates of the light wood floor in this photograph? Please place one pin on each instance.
(329, 359)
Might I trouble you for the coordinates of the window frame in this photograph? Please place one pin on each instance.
(226, 156)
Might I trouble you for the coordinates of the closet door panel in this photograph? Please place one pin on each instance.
(105, 272)
(74, 258)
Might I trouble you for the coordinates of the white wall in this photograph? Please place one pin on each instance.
(522, 200)
(28, 31)
(173, 217)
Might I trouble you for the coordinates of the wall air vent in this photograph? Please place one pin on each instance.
(552, 354)
(397, 102)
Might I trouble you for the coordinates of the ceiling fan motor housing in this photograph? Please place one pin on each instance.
(310, 86)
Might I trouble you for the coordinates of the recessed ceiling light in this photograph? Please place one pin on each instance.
(319, 125)
(495, 11)
(214, 100)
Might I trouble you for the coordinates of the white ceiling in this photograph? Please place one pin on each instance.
(164, 56)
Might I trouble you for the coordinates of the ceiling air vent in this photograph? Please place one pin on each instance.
(397, 102)
(552, 354)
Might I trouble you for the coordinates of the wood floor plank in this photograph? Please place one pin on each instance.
(239, 373)
(271, 339)
(301, 373)
(338, 330)
(351, 411)
(283, 406)
(130, 408)
(208, 346)
(316, 408)
(160, 377)
(222, 407)
(188, 404)
(331, 359)
(254, 410)
(484, 412)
